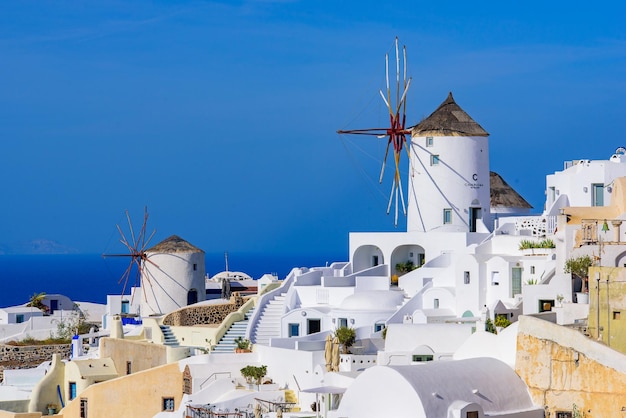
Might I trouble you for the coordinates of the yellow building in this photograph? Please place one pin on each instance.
(607, 306)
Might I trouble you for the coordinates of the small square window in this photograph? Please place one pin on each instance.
(434, 160)
(617, 315)
(168, 404)
(379, 326)
(429, 141)
(294, 330)
(447, 216)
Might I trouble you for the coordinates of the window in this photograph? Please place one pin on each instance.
(598, 194)
(72, 390)
(168, 404)
(436, 303)
(516, 281)
(125, 306)
(187, 381)
(54, 305)
(422, 357)
(83, 408)
(294, 330)
(129, 367)
(314, 325)
(563, 414)
(532, 269)
(447, 216)
(343, 322)
(374, 260)
(617, 315)
(545, 305)
(19, 318)
(466, 277)
(379, 326)
(472, 414)
(551, 194)
(195, 267)
(434, 159)
(429, 141)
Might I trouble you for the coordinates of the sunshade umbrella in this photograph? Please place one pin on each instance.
(331, 390)
(335, 357)
(328, 353)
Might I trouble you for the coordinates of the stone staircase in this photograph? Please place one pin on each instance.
(227, 343)
(269, 321)
(170, 338)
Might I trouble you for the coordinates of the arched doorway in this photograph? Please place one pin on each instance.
(366, 257)
(192, 297)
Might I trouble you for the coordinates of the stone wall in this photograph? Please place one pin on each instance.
(29, 356)
(566, 371)
(204, 314)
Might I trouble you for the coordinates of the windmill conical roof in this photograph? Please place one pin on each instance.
(449, 120)
(503, 195)
(174, 244)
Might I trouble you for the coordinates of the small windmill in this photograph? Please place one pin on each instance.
(396, 132)
(136, 252)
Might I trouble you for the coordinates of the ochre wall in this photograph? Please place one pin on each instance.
(136, 395)
(563, 368)
(142, 355)
(6, 414)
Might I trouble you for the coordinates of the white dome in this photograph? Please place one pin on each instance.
(373, 300)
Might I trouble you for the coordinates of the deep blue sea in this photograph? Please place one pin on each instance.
(90, 277)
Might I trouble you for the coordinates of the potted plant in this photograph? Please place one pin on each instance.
(52, 408)
(559, 299)
(243, 345)
(346, 337)
(254, 374)
(579, 268)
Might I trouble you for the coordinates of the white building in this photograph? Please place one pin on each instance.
(472, 388)
(18, 314)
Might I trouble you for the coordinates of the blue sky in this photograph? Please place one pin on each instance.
(220, 117)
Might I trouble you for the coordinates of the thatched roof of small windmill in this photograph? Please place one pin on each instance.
(449, 120)
(503, 195)
(174, 244)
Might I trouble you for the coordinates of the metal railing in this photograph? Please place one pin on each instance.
(214, 377)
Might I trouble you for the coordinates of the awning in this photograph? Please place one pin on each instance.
(325, 389)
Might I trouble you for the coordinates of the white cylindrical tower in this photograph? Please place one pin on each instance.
(172, 277)
(449, 173)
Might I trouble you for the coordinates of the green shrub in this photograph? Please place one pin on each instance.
(254, 374)
(346, 337)
(502, 321)
(579, 266)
